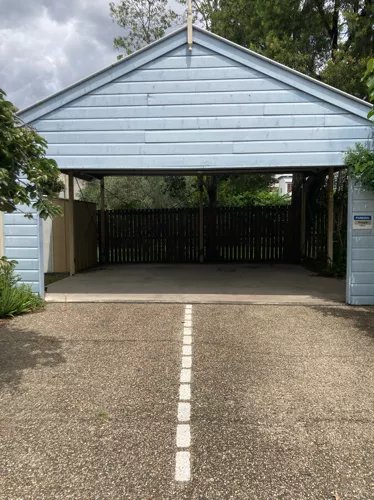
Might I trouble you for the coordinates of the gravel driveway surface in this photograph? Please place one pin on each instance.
(281, 407)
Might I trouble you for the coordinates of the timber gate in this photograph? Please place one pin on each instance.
(250, 234)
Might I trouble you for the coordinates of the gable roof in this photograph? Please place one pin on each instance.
(212, 42)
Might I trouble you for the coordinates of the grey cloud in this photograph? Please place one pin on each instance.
(46, 45)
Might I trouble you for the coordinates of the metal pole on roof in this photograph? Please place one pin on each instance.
(189, 26)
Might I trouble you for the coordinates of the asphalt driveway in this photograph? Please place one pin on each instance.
(281, 402)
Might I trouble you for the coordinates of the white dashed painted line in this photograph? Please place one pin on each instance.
(184, 412)
(183, 439)
(185, 376)
(187, 350)
(183, 436)
(185, 392)
(183, 466)
(186, 361)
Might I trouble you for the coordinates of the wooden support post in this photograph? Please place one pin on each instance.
(303, 221)
(330, 224)
(71, 225)
(201, 219)
(102, 219)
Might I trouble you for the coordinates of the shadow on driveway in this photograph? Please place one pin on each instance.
(22, 350)
(360, 318)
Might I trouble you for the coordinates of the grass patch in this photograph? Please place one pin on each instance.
(15, 297)
(101, 415)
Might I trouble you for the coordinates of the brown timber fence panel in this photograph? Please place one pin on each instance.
(250, 234)
(157, 235)
(316, 235)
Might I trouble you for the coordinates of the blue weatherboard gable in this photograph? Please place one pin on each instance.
(218, 107)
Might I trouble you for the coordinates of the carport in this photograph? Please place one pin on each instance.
(196, 104)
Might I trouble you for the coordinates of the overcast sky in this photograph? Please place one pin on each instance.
(46, 45)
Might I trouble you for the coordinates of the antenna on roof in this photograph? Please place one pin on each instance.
(189, 28)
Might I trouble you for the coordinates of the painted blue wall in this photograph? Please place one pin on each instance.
(23, 242)
(195, 110)
(360, 272)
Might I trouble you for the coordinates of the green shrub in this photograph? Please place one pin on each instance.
(361, 161)
(15, 298)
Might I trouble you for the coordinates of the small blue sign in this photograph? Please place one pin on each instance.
(363, 217)
(362, 222)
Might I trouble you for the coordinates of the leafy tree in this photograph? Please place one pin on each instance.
(369, 78)
(142, 192)
(144, 21)
(243, 190)
(326, 39)
(360, 159)
(26, 176)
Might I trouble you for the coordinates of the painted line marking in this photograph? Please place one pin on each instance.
(183, 466)
(185, 392)
(186, 361)
(184, 412)
(185, 376)
(183, 437)
(187, 350)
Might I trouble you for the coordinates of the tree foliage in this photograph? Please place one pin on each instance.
(361, 162)
(142, 192)
(360, 159)
(326, 39)
(26, 176)
(144, 21)
(179, 192)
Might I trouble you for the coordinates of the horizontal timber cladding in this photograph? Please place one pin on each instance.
(360, 257)
(23, 243)
(251, 234)
(200, 110)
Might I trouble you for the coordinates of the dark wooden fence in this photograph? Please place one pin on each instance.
(163, 235)
(316, 235)
(250, 234)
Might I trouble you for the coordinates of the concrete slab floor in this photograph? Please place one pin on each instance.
(282, 402)
(194, 283)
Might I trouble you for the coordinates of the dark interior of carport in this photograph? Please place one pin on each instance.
(211, 234)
